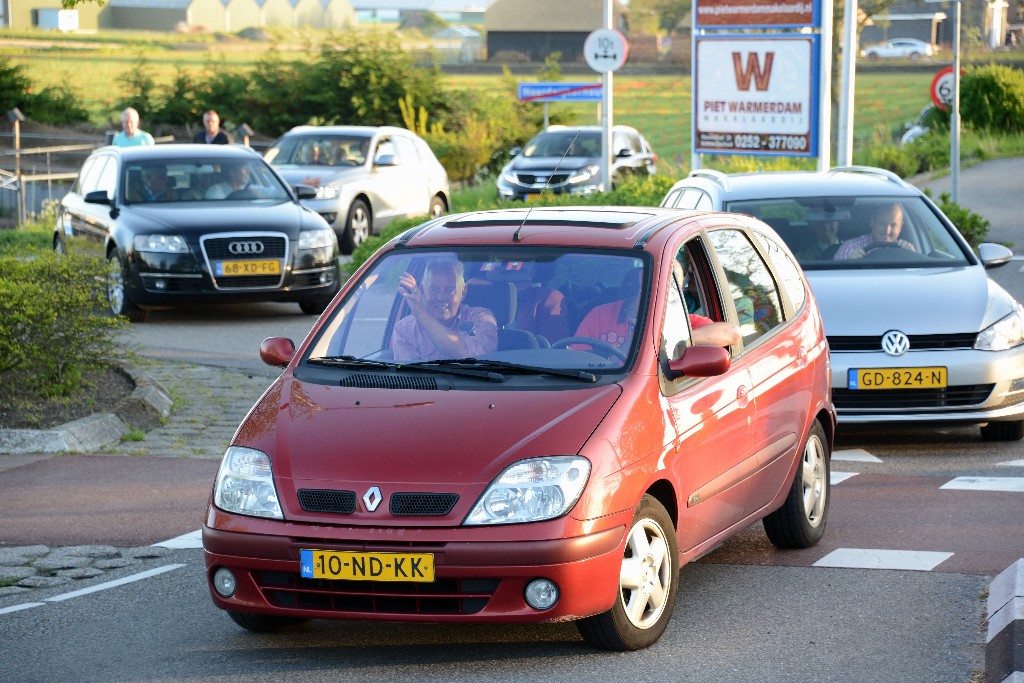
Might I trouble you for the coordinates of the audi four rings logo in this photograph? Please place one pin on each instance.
(895, 343)
(239, 248)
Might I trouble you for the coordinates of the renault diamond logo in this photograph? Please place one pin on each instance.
(250, 247)
(372, 498)
(895, 343)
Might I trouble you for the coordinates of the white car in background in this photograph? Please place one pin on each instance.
(899, 48)
(365, 176)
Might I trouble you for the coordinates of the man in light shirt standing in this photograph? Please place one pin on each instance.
(131, 135)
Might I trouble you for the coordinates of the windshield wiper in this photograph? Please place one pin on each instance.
(580, 375)
(454, 367)
(351, 362)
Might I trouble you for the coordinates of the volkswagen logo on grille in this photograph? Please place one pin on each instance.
(249, 247)
(372, 498)
(895, 343)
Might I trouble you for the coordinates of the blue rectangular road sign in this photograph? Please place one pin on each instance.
(561, 92)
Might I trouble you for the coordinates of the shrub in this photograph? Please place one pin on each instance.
(992, 98)
(972, 226)
(51, 320)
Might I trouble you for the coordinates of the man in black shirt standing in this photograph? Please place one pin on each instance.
(211, 133)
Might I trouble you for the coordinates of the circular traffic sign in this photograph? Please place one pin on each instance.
(605, 50)
(942, 89)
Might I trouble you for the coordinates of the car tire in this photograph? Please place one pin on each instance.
(873, 56)
(437, 207)
(915, 56)
(648, 582)
(1003, 431)
(357, 227)
(264, 623)
(316, 305)
(800, 522)
(117, 291)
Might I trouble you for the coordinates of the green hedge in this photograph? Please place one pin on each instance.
(52, 320)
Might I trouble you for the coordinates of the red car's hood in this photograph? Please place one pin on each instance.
(342, 438)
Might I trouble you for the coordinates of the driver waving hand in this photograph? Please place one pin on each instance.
(886, 224)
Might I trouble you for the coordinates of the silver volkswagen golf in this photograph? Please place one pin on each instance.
(918, 332)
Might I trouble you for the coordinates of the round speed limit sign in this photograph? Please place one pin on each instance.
(942, 89)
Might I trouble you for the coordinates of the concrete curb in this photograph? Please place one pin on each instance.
(146, 407)
(1004, 645)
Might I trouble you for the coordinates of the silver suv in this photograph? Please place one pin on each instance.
(919, 334)
(365, 177)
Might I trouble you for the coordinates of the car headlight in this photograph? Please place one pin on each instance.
(170, 244)
(508, 176)
(316, 239)
(584, 174)
(245, 484)
(532, 490)
(328, 192)
(1005, 334)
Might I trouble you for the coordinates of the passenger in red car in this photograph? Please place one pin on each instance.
(439, 326)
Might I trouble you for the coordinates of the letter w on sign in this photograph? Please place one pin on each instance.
(752, 69)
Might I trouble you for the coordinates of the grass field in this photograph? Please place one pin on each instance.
(659, 106)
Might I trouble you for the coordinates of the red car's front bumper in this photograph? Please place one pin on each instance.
(476, 580)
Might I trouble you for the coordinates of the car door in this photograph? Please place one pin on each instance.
(773, 352)
(712, 416)
(400, 190)
(86, 226)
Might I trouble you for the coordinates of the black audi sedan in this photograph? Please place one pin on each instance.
(183, 224)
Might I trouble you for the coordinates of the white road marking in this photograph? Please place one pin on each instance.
(839, 477)
(115, 582)
(1011, 463)
(1007, 484)
(872, 558)
(18, 608)
(193, 539)
(854, 455)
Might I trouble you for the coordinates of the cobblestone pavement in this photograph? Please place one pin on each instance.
(24, 568)
(209, 404)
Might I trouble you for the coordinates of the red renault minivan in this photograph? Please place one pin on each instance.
(529, 416)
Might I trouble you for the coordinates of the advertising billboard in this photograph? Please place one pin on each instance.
(756, 94)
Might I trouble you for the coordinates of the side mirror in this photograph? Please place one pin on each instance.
(993, 255)
(515, 151)
(385, 160)
(305, 191)
(624, 153)
(277, 351)
(700, 361)
(99, 197)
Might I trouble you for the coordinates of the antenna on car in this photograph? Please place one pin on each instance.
(519, 231)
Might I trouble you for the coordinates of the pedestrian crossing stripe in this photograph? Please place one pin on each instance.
(839, 477)
(854, 455)
(193, 539)
(1005, 484)
(1011, 463)
(873, 558)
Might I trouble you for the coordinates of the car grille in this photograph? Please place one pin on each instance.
(532, 179)
(918, 342)
(443, 596)
(423, 504)
(320, 500)
(217, 248)
(903, 399)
